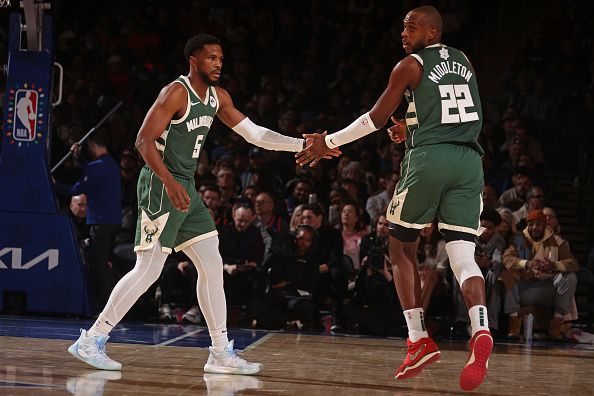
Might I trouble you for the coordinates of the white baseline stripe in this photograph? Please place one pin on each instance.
(181, 337)
(258, 342)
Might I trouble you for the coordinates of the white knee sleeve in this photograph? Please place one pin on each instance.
(461, 255)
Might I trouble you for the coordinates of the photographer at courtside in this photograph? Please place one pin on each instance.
(375, 299)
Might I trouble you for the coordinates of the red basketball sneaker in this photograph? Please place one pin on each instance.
(475, 371)
(419, 355)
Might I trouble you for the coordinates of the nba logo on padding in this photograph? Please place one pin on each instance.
(25, 115)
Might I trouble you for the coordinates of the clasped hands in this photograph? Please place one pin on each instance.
(316, 148)
(541, 269)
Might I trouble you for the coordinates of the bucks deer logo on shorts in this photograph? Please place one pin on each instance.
(150, 230)
(393, 207)
(150, 233)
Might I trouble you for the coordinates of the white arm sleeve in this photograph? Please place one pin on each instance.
(266, 138)
(360, 127)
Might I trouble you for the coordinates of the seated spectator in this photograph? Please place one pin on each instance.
(333, 274)
(257, 160)
(353, 171)
(296, 218)
(242, 250)
(515, 197)
(267, 222)
(552, 220)
(352, 229)
(352, 189)
(338, 196)
(490, 197)
(250, 192)
(292, 279)
(78, 214)
(377, 204)
(432, 266)
(535, 199)
(488, 255)
(299, 195)
(540, 271)
(227, 185)
(211, 195)
(507, 229)
(178, 286)
(536, 172)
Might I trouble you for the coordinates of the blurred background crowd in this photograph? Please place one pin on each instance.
(306, 248)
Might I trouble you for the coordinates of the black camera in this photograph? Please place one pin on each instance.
(377, 252)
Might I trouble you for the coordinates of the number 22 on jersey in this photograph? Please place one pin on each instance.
(456, 96)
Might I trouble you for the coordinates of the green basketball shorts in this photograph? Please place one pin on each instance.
(442, 181)
(158, 220)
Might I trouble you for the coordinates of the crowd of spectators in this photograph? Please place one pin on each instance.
(301, 244)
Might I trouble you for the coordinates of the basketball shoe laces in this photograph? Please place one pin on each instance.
(233, 358)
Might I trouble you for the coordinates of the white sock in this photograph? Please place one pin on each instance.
(478, 318)
(415, 322)
(99, 328)
(128, 290)
(211, 295)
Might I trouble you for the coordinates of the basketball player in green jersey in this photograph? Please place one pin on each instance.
(171, 214)
(441, 176)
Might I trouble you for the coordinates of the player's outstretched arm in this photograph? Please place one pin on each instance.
(255, 134)
(171, 100)
(407, 73)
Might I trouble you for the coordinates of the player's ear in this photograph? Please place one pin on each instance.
(193, 62)
(432, 34)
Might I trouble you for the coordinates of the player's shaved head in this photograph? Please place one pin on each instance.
(430, 16)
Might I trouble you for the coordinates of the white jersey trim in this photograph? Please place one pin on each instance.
(183, 118)
(206, 96)
(418, 58)
(214, 92)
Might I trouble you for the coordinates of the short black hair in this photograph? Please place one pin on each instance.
(492, 215)
(100, 137)
(314, 207)
(197, 42)
(212, 187)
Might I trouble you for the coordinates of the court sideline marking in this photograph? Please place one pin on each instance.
(181, 337)
(258, 342)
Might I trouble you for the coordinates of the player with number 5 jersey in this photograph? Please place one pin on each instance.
(171, 214)
(441, 178)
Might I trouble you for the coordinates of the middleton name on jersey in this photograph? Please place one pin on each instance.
(450, 67)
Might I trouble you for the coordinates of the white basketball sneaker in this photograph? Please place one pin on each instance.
(227, 362)
(91, 350)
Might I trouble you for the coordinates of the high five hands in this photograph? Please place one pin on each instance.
(315, 150)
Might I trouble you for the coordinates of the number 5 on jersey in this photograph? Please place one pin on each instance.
(456, 96)
(197, 146)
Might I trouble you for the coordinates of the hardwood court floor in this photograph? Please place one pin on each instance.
(295, 364)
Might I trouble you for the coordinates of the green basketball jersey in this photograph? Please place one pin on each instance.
(445, 107)
(181, 142)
